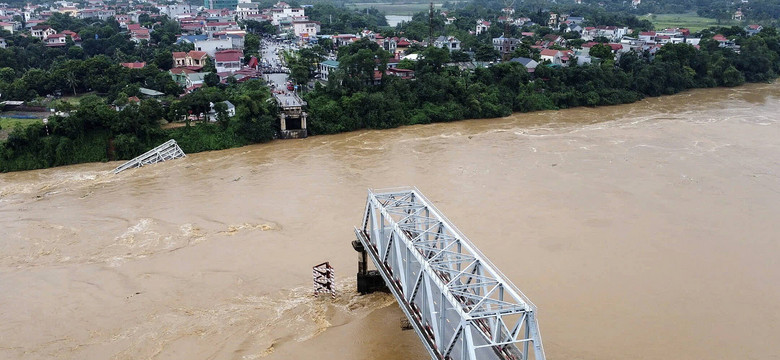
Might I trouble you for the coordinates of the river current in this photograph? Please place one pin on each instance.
(641, 231)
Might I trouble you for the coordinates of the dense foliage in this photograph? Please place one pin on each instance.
(29, 68)
(340, 20)
(97, 131)
(442, 93)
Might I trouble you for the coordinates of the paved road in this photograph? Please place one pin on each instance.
(278, 81)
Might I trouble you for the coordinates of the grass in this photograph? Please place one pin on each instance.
(690, 21)
(395, 8)
(10, 124)
(74, 100)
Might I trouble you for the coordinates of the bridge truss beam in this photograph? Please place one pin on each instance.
(457, 301)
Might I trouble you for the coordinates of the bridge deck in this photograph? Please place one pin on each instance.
(458, 302)
(289, 99)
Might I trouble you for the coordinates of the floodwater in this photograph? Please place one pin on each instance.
(394, 20)
(642, 231)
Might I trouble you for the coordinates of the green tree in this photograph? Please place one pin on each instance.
(486, 52)
(211, 79)
(602, 51)
(251, 44)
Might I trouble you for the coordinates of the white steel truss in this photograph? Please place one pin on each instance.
(168, 150)
(458, 302)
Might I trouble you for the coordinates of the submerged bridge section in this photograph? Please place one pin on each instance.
(457, 301)
(166, 151)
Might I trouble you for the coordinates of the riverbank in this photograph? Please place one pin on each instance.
(208, 137)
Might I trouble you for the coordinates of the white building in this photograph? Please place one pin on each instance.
(285, 13)
(447, 42)
(211, 46)
(244, 10)
(306, 28)
(482, 26)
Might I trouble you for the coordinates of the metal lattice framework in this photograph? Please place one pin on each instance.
(168, 150)
(458, 302)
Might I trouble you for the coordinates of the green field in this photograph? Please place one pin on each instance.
(9, 123)
(405, 8)
(690, 21)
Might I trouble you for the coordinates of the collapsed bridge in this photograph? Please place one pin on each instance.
(459, 304)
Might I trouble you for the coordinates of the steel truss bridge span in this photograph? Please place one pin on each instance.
(457, 301)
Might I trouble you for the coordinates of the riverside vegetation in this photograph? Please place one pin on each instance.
(352, 99)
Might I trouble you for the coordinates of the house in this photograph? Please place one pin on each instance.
(402, 73)
(179, 75)
(150, 92)
(228, 60)
(193, 82)
(42, 31)
(285, 12)
(134, 65)
(753, 29)
(482, 26)
(7, 26)
(242, 75)
(447, 42)
(212, 114)
(214, 26)
(720, 38)
(550, 40)
(504, 45)
(306, 28)
(192, 59)
(326, 67)
(211, 46)
(557, 57)
(3, 44)
(55, 40)
(102, 14)
(726, 43)
(73, 35)
(245, 10)
(647, 36)
(738, 15)
(139, 35)
(613, 33)
(236, 37)
(343, 39)
(530, 64)
(402, 45)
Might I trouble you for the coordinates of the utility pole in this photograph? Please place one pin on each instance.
(430, 25)
(509, 10)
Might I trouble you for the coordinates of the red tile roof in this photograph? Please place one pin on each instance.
(228, 55)
(181, 70)
(719, 37)
(134, 65)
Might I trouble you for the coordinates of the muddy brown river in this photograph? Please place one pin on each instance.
(643, 231)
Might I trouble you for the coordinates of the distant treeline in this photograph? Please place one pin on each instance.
(444, 93)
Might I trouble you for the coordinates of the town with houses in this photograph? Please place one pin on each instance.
(216, 34)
